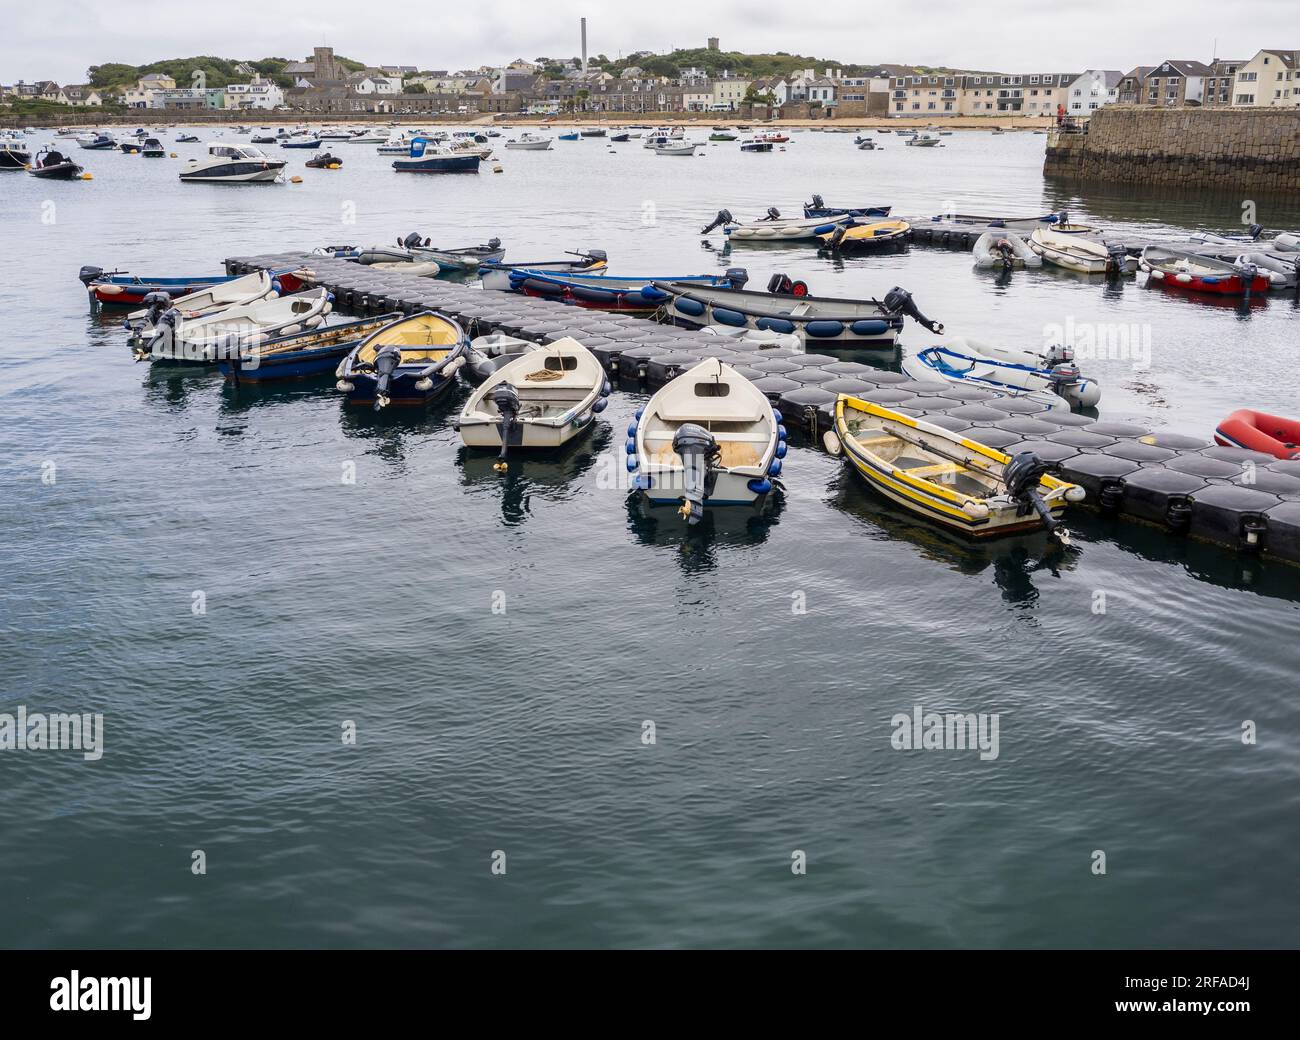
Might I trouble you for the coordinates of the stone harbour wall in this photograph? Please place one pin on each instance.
(1250, 148)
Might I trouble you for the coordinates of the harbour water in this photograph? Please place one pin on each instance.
(191, 560)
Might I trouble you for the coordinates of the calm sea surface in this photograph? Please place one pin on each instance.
(520, 732)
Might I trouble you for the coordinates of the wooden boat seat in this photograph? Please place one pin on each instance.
(733, 453)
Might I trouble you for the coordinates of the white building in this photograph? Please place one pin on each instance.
(1271, 79)
(258, 93)
(1093, 89)
(728, 94)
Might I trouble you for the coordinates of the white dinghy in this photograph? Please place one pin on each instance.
(1085, 255)
(237, 292)
(542, 398)
(1049, 377)
(774, 227)
(226, 334)
(710, 437)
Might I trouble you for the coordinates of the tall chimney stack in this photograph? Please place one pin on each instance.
(584, 44)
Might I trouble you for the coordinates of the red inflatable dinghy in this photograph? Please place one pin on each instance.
(1259, 432)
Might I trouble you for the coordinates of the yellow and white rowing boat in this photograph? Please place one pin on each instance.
(957, 482)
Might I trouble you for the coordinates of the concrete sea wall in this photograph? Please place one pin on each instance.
(1254, 148)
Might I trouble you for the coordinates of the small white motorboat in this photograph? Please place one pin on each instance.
(1004, 249)
(709, 437)
(233, 164)
(541, 398)
(237, 292)
(1051, 378)
(1076, 253)
(529, 143)
(226, 334)
(675, 147)
(774, 227)
(923, 140)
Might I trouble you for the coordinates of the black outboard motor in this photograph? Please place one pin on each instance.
(1255, 230)
(1022, 475)
(699, 453)
(596, 254)
(89, 274)
(386, 362)
(724, 217)
(1116, 258)
(837, 236)
(772, 214)
(1003, 248)
(494, 243)
(506, 399)
(156, 304)
(899, 301)
(410, 241)
(1249, 272)
(736, 277)
(779, 284)
(817, 203)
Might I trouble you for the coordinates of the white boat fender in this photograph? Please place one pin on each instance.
(832, 442)
(345, 386)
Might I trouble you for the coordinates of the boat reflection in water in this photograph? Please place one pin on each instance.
(554, 476)
(699, 547)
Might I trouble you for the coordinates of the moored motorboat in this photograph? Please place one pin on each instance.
(14, 155)
(153, 149)
(946, 478)
(1259, 431)
(924, 140)
(97, 142)
(1021, 225)
(671, 147)
(300, 142)
(118, 289)
(818, 208)
(324, 161)
(496, 275)
(131, 146)
(592, 132)
(1051, 378)
(866, 234)
(302, 355)
(540, 398)
(529, 143)
(235, 292)
(605, 292)
(774, 227)
(754, 145)
(186, 139)
(832, 323)
(1084, 255)
(1179, 269)
(53, 165)
(233, 164)
(426, 157)
(723, 136)
(174, 339)
(410, 362)
(1004, 249)
(707, 438)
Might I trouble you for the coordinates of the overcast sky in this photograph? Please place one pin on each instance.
(58, 39)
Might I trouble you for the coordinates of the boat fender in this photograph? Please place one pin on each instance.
(605, 389)
(975, 509)
(686, 305)
(869, 327)
(345, 386)
(1183, 277)
(759, 485)
(831, 442)
(781, 433)
(639, 412)
(776, 416)
(632, 463)
(781, 449)
(276, 287)
(824, 329)
(726, 316)
(600, 405)
(630, 446)
(774, 468)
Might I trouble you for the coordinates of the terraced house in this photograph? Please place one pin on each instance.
(979, 93)
(1175, 83)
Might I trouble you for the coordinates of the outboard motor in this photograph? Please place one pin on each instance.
(410, 241)
(1255, 230)
(1116, 258)
(1021, 476)
(724, 217)
(817, 203)
(494, 243)
(386, 362)
(1059, 352)
(1249, 272)
(506, 399)
(156, 305)
(699, 454)
(737, 277)
(779, 284)
(772, 214)
(899, 301)
(89, 274)
(1003, 248)
(597, 254)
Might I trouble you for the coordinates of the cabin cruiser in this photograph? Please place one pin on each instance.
(233, 164)
(14, 155)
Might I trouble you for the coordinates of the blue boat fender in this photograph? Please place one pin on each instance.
(688, 306)
(631, 464)
(760, 485)
(600, 405)
(276, 287)
(631, 429)
(781, 433)
(777, 417)
(639, 412)
(605, 389)
(781, 448)
(630, 446)
(774, 470)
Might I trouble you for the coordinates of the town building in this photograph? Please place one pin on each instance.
(1271, 79)
(1219, 87)
(1092, 90)
(257, 93)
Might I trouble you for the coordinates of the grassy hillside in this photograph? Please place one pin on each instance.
(219, 72)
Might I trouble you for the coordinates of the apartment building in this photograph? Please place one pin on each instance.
(1219, 87)
(1092, 90)
(979, 94)
(1271, 79)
